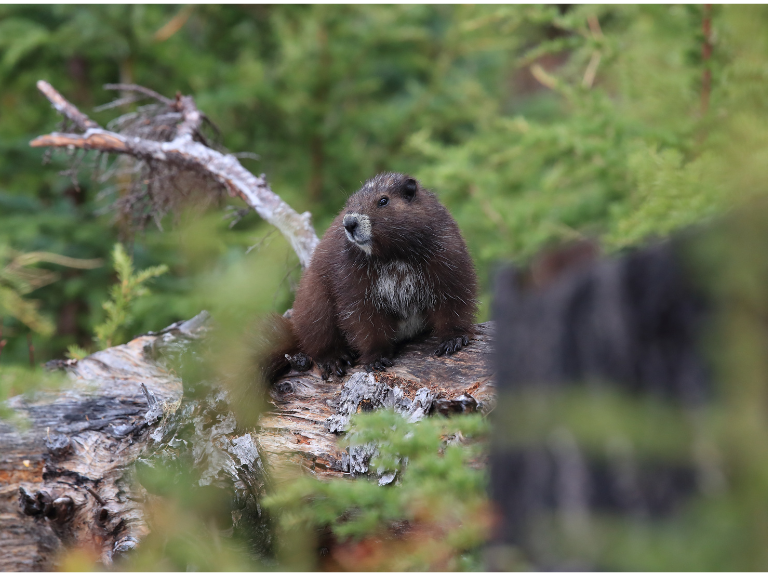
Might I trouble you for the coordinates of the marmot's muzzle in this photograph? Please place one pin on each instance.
(358, 230)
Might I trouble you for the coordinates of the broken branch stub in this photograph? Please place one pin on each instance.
(184, 153)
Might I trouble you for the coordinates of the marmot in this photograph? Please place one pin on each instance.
(392, 265)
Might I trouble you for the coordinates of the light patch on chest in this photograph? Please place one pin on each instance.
(403, 291)
(408, 328)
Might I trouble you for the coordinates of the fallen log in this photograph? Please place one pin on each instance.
(69, 478)
(63, 476)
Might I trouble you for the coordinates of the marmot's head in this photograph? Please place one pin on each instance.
(390, 216)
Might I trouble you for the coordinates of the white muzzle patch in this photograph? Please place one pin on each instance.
(361, 235)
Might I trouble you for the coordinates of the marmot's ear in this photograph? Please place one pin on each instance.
(409, 188)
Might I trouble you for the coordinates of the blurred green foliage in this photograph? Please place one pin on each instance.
(534, 124)
(18, 278)
(16, 380)
(124, 293)
(438, 495)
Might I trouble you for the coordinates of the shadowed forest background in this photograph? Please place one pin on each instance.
(533, 125)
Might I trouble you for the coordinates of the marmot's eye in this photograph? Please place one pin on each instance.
(409, 191)
(384, 201)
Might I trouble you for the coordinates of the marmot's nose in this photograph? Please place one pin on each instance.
(350, 223)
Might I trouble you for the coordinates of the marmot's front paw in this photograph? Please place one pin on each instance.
(337, 366)
(452, 345)
(379, 365)
(299, 362)
(349, 358)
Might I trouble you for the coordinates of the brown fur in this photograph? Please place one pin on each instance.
(354, 305)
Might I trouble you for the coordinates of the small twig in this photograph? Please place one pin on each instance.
(65, 108)
(140, 89)
(29, 258)
(249, 155)
(215, 128)
(594, 61)
(260, 242)
(96, 496)
(174, 24)
(543, 77)
(117, 103)
(105, 141)
(594, 26)
(591, 71)
(235, 215)
(31, 350)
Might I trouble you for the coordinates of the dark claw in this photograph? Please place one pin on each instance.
(333, 367)
(452, 345)
(379, 365)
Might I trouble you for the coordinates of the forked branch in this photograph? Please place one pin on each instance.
(185, 153)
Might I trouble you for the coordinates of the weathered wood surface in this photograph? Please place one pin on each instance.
(67, 477)
(297, 430)
(72, 457)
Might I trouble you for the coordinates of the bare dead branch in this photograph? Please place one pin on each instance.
(192, 117)
(92, 140)
(249, 155)
(184, 153)
(65, 108)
